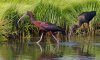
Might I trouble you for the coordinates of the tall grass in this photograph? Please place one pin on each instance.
(11, 14)
(54, 11)
(71, 13)
(48, 12)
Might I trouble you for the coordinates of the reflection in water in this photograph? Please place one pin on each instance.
(78, 48)
(49, 52)
(16, 49)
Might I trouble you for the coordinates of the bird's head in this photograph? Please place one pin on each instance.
(73, 28)
(28, 13)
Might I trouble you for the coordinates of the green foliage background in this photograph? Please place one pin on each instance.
(54, 11)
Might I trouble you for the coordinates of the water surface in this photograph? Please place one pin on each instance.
(75, 48)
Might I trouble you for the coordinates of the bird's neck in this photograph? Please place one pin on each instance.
(79, 25)
(31, 18)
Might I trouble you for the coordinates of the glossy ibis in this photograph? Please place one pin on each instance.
(43, 26)
(84, 17)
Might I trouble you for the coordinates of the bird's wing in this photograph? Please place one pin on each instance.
(51, 27)
(82, 17)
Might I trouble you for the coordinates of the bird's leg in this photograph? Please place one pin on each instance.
(55, 38)
(40, 38)
(84, 26)
(88, 28)
(40, 47)
(84, 29)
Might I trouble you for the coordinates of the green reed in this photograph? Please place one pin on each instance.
(51, 11)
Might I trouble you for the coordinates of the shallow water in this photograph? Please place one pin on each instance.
(75, 48)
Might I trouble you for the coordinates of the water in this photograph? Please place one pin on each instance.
(75, 48)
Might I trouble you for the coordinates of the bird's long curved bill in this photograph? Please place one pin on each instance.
(21, 18)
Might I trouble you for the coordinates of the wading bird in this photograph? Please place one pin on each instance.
(84, 17)
(43, 26)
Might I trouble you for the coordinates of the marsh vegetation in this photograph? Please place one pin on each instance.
(17, 41)
(57, 12)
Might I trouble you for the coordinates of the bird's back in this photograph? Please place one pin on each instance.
(54, 28)
(46, 26)
(88, 15)
(51, 27)
(39, 24)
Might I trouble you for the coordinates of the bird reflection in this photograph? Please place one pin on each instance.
(48, 52)
(44, 45)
